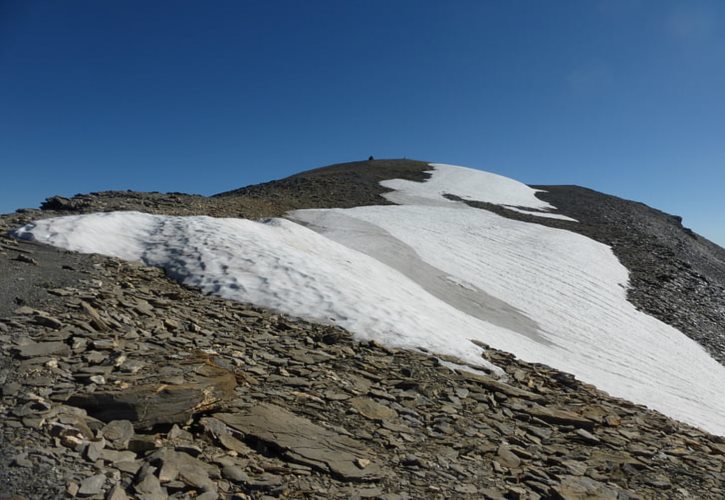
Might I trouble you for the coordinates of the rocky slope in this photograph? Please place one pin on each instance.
(117, 382)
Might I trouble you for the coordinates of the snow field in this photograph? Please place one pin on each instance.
(546, 295)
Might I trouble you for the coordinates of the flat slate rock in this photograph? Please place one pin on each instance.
(36, 349)
(372, 409)
(496, 386)
(305, 442)
(151, 404)
(572, 487)
(560, 417)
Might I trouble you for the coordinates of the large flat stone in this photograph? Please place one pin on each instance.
(560, 417)
(372, 409)
(496, 386)
(302, 441)
(44, 349)
(151, 404)
(583, 488)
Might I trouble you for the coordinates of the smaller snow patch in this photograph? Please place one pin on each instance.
(469, 184)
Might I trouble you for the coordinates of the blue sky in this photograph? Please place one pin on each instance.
(626, 97)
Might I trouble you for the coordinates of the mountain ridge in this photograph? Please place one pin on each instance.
(503, 469)
(667, 275)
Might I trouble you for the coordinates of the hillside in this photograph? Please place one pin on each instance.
(209, 395)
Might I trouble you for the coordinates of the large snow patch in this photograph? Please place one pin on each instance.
(432, 273)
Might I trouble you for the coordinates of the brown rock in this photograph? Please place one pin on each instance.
(497, 386)
(44, 349)
(191, 471)
(49, 321)
(561, 417)
(96, 321)
(302, 441)
(117, 493)
(91, 486)
(149, 488)
(583, 488)
(373, 410)
(151, 404)
(28, 260)
(118, 433)
(507, 457)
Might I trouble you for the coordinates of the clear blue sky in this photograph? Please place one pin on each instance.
(627, 97)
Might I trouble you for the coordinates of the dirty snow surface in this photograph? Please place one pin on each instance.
(431, 273)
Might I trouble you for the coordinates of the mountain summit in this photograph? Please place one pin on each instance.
(414, 259)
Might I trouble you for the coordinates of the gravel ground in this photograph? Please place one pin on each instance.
(26, 282)
(41, 267)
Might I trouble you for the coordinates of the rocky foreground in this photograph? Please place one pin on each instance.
(117, 383)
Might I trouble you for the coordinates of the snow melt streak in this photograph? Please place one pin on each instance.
(572, 287)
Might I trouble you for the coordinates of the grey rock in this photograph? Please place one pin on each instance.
(94, 449)
(507, 457)
(93, 485)
(234, 473)
(143, 443)
(304, 442)
(208, 495)
(149, 488)
(264, 482)
(61, 203)
(177, 433)
(498, 386)
(49, 321)
(561, 417)
(26, 259)
(191, 471)
(131, 467)
(372, 409)
(114, 456)
(587, 436)
(118, 433)
(116, 493)
(21, 460)
(197, 478)
(44, 349)
(11, 389)
(584, 487)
